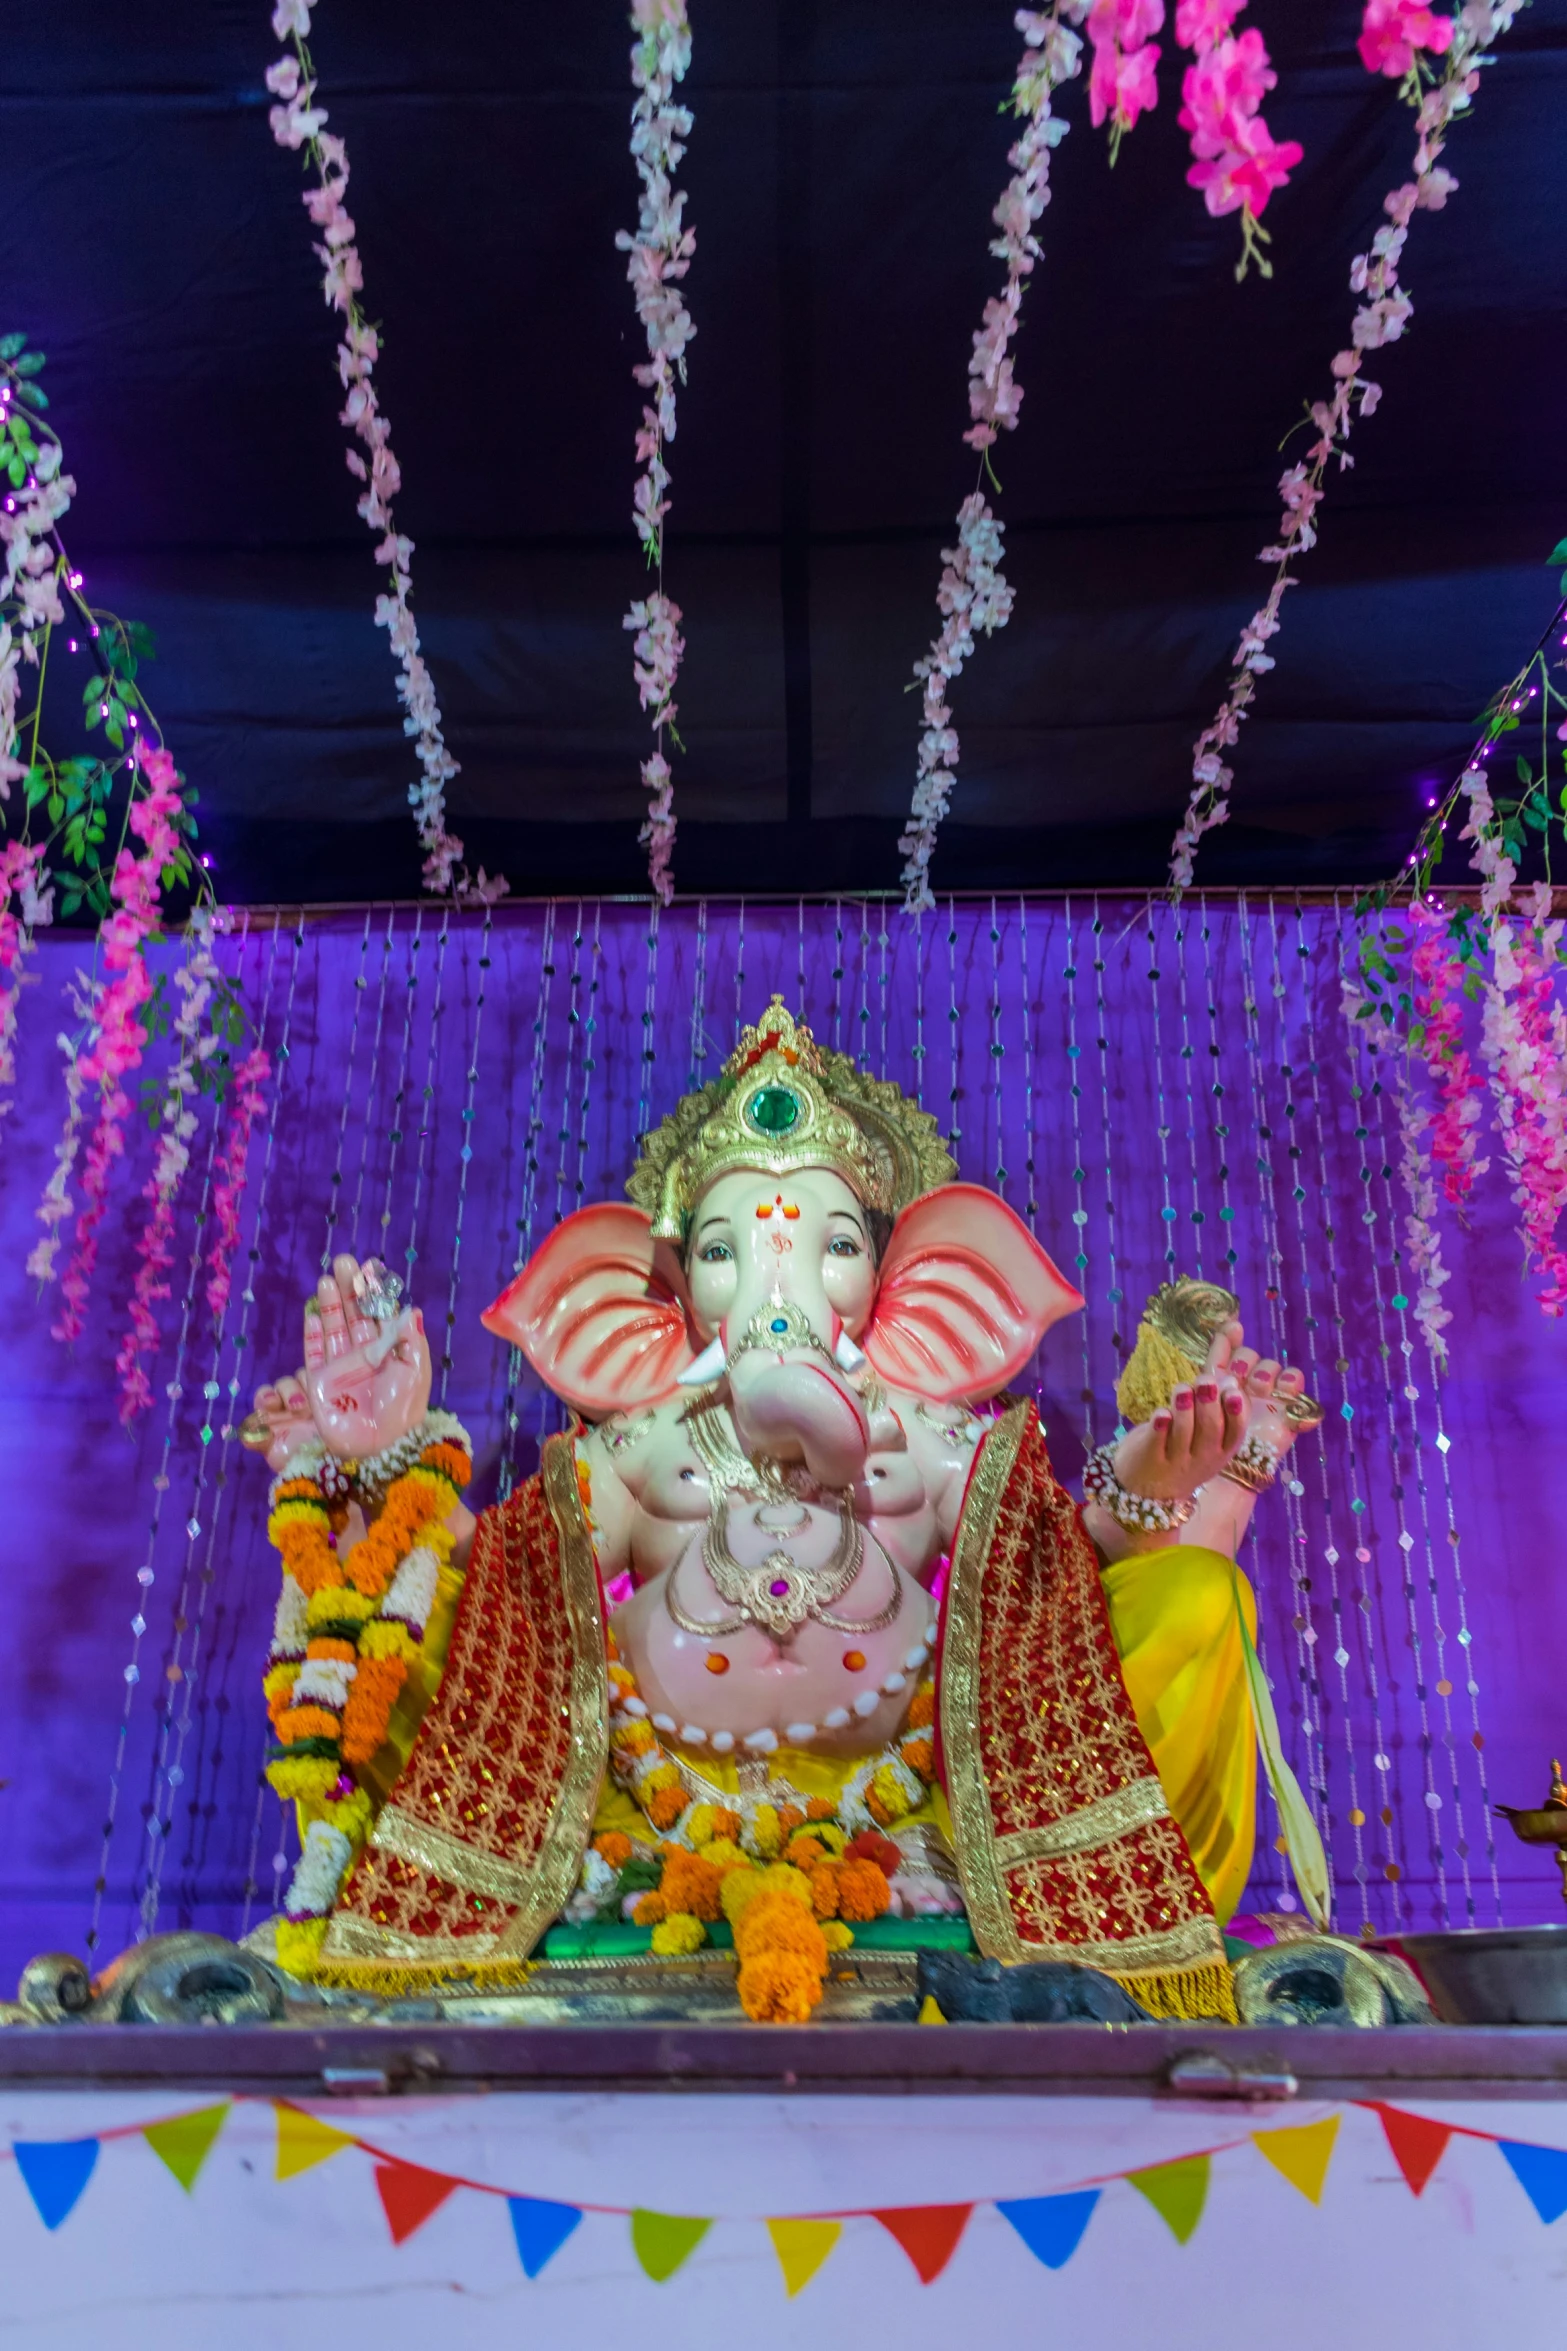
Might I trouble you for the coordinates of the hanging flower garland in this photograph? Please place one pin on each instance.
(1381, 319)
(20, 866)
(1439, 981)
(246, 1102)
(1373, 1019)
(974, 596)
(1236, 161)
(350, 1622)
(299, 123)
(1123, 80)
(659, 257)
(196, 982)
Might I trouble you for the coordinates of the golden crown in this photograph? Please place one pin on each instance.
(782, 1101)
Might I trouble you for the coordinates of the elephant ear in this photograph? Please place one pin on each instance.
(966, 1294)
(599, 1311)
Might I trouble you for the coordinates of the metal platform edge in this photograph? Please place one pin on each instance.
(1450, 2061)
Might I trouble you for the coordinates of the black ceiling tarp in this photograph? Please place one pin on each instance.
(841, 172)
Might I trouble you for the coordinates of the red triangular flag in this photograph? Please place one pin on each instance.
(409, 2196)
(928, 2233)
(1418, 2146)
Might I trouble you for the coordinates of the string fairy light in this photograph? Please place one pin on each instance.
(1161, 1107)
(997, 1049)
(1199, 1214)
(882, 980)
(1221, 1126)
(954, 1023)
(426, 1111)
(739, 971)
(1114, 1294)
(395, 1132)
(699, 1046)
(648, 1049)
(355, 1228)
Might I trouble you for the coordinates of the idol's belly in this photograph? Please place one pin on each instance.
(737, 1653)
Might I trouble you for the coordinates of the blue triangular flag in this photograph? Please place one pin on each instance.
(540, 2229)
(56, 2171)
(1541, 2172)
(1052, 2226)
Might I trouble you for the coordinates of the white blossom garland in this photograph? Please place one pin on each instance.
(299, 122)
(659, 257)
(1423, 1247)
(1382, 318)
(974, 595)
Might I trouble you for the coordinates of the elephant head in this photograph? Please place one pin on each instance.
(788, 1285)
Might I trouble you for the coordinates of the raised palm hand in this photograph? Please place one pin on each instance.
(368, 1381)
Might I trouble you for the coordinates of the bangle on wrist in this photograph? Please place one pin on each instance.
(1255, 1465)
(1139, 1513)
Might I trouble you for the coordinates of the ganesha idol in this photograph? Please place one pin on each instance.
(795, 1632)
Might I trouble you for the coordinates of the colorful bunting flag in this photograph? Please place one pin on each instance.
(303, 2142)
(1417, 2145)
(1177, 2192)
(1052, 2226)
(663, 2241)
(540, 2229)
(409, 2195)
(1541, 2172)
(802, 2246)
(1302, 2154)
(928, 2233)
(55, 2171)
(183, 2143)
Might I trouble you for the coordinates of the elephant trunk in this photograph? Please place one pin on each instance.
(791, 1397)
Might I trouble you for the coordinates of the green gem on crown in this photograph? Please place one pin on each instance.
(773, 1110)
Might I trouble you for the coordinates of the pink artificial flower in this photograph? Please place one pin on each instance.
(1202, 24)
(1393, 30)
(1246, 174)
(1223, 90)
(246, 1103)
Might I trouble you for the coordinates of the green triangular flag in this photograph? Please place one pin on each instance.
(185, 2141)
(662, 2241)
(1177, 2192)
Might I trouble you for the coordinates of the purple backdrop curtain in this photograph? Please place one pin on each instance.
(1153, 1092)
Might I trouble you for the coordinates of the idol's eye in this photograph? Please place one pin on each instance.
(841, 1246)
(717, 1253)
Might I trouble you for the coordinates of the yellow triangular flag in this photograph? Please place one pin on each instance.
(184, 2142)
(1301, 2153)
(302, 2142)
(802, 2246)
(929, 2012)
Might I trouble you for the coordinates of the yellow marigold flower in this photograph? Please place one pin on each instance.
(303, 1775)
(836, 1935)
(280, 1680)
(299, 1944)
(724, 1853)
(766, 1835)
(678, 1934)
(890, 1789)
(827, 1832)
(387, 1638)
(634, 1738)
(699, 1828)
(339, 1604)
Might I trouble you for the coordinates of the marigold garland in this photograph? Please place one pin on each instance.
(350, 1622)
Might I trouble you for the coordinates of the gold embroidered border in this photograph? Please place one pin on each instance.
(1116, 1815)
(979, 1868)
(362, 1938)
(559, 1858)
(441, 1855)
(1196, 1943)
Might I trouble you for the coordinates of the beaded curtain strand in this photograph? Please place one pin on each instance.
(954, 1022)
(183, 1668)
(1199, 1213)
(1080, 1259)
(396, 1131)
(465, 1154)
(699, 999)
(1161, 1107)
(1435, 1802)
(426, 1111)
(1221, 1126)
(1114, 1294)
(1302, 1622)
(510, 1409)
(334, 1199)
(355, 1229)
(146, 1574)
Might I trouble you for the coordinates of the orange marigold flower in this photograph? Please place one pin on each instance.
(651, 1911)
(789, 1818)
(691, 1884)
(923, 1711)
(369, 1709)
(805, 1852)
(319, 1645)
(820, 1808)
(614, 1847)
(776, 1922)
(824, 1890)
(920, 1756)
(727, 1823)
(863, 1891)
(777, 1987)
(665, 1806)
(306, 1722)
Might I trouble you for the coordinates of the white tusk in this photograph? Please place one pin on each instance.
(846, 1355)
(708, 1366)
